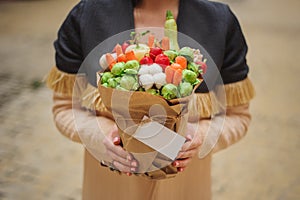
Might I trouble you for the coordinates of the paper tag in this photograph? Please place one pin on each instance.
(160, 138)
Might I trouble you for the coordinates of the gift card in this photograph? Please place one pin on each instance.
(160, 138)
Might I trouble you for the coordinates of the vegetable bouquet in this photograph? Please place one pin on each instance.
(143, 75)
(159, 68)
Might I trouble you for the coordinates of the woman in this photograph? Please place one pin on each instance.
(212, 25)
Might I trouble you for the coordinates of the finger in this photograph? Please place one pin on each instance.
(186, 146)
(114, 132)
(115, 157)
(128, 173)
(181, 169)
(117, 140)
(194, 143)
(118, 153)
(122, 153)
(116, 149)
(123, 168)
(189, 137)
(126, 162)
(187, 154)
(182, 163)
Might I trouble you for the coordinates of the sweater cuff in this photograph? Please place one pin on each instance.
(65, 83)
(239, 93)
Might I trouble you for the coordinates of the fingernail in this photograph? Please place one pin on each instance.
(128, 174)
(189, 137)
(181, 169)
(175, 164)
(134, 164)
(116, 140)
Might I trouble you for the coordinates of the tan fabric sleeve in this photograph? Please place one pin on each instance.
(76, 123)
(223, 130)
(68, 90)
(237, 121)
(80, 125)
(63, 116)
(66, 113)
(230, 129)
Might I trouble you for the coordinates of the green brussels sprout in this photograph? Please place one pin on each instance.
(120, 88)
(169, 91)
(189, 76)
(193, 67)
(118, 68)
(129, 82)
(131, 71)
(112, 82)
(105, 76)
(141, 89)
(187, 52)
(105, 85)
(171, 54)
(185, 89)
(153, 91)
(132, 64)
(118, 80)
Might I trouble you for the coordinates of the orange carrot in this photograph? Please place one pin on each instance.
(169, 71)
(110, 60)
(130, 55)
(118, 49)
(165, 43)
(176, 66)
(177, 77)
(151, 40)
(122, 58)
(181, 61)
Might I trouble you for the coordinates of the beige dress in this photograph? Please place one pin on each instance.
(101, 183)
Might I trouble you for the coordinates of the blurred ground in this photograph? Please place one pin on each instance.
(36, 162)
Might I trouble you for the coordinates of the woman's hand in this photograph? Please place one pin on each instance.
(189, 149)
(120, 159)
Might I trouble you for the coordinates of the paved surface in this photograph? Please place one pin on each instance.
(36, 162)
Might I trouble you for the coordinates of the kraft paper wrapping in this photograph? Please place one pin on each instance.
(131, 109)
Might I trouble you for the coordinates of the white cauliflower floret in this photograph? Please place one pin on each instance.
(155, 68)
(144, 69)
(150, 75)
(159, 80)
(146, 80)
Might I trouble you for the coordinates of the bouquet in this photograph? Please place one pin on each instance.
(151, 82)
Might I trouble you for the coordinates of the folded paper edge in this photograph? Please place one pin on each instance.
(206, 103)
